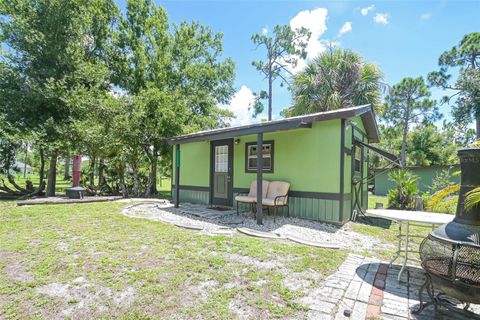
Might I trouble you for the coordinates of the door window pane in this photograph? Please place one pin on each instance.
(221, 159)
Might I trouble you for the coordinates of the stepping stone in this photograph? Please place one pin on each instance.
(314, 243)
(259, 234)
(188, 226)
(233, 219)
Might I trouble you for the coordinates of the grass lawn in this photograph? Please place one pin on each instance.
(372, 199)
(90, 261)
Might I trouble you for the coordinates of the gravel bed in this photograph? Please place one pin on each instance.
(309, 230)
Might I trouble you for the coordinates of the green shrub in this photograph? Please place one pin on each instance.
(403, 196)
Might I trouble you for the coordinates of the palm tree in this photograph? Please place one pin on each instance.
(336, 79)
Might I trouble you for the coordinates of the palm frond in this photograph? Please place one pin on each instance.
(472, 198)
(442, 195)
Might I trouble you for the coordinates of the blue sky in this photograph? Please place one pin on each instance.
(405, 38)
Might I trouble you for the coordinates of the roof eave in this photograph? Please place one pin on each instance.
(365, 112)
(280, 126)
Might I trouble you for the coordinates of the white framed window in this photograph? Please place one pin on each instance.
(251, 156)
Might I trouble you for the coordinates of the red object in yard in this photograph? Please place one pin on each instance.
(77, 169)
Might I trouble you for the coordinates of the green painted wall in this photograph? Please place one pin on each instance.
(194, 164)
(309, 159)
(425, 174)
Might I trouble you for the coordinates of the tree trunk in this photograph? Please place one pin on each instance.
(403, 157)
(41, 173)
(25, 161)
(101, 177)
(477, 122)
(121, 176)
(136, 180)
(52, 175)
(270, 97)
(152, 179)
(66, 176)
(91, 172)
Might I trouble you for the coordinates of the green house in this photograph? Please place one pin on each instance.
(323, 156)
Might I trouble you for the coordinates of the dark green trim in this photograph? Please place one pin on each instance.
(342, 169)
(315, 195)
(352, 171)
(304, 194)
(272, 157)
(387, 155)
(177, 175)
(193, 188)
(259, 178)
(229, 200)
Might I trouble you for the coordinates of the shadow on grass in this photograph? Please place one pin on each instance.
(375, 222)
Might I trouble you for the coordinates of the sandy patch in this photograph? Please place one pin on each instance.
(15, 268)
(80, 297)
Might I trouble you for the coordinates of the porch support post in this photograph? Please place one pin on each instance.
(177, 175)
(259, 177)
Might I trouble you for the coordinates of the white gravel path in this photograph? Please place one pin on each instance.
(309, 230)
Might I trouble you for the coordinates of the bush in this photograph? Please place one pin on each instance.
(403, 196)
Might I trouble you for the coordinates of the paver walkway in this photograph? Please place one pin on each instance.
(365, 288)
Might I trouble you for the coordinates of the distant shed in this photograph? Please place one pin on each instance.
(426, 175)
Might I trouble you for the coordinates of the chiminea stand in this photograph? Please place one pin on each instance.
(438, 299)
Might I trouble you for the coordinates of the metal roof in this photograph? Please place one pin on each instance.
(305, 121)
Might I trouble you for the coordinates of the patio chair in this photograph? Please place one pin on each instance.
(277, 196)
(251, 197)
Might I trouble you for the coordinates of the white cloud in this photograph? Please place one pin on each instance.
(364, 11)
(265, 30)
(381, 18)
(241, 106)
(316, 21)
(426, 16)
(347, 26)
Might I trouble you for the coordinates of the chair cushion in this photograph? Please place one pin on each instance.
(271, 202)
(277, 188)
(246, 199)
(253, 188)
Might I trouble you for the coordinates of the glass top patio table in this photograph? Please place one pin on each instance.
(406, 218)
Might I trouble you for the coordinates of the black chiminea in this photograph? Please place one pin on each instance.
(450, 255)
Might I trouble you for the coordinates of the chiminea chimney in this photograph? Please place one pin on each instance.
(466, 225)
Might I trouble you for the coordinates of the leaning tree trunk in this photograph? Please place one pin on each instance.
(52, 175)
